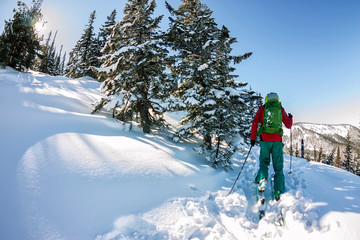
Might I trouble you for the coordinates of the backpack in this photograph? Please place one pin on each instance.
(272, 118)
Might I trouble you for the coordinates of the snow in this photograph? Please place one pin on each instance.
(218, 93)
(203, 67)
(232, 92)
(209, 42)
(209, 102)
(191, 101)
(67, 174)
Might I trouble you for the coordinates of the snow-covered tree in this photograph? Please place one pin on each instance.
(297, 150)
(330, 160)
(320, 155)
(315, 158)
(20, 43)
(133, 72)
(47, 58)
(49, 61)
(337, 159)
(85, 54)
(348, 163)
(41, 64)
(213, 99)
(62, 65)
(105, 30)
(247, 118)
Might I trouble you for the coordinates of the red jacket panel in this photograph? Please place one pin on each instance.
(268, 137)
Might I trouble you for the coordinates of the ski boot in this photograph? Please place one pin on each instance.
(261, 197)
(277, 195)
(262, 185)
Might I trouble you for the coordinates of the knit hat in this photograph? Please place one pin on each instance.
(272, 96)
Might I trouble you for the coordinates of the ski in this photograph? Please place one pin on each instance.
(279, 219)
(261, 204)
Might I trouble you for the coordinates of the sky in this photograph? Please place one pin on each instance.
(306, 51)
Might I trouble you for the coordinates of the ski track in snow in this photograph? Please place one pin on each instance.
(83, 176)
(218, 216)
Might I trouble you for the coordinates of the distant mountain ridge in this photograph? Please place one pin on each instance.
(316, 136)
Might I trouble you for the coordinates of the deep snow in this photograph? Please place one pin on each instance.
(67, 174)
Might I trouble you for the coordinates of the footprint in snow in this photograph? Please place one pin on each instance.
(193, 187)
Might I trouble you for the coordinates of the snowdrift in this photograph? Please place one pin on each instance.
(67, 174)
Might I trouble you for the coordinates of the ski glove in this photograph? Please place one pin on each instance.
(290, 115)
(252, 143)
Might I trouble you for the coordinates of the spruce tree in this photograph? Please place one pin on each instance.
(104, 34)
(337, 159)
(247, 118)
(85, 54)
(62, 64)
(105, 30)
(296, 150)
(330, 158)
(212, 98)
(50, 67)
(307, 156)
(357, 161)
(348, 163)
(57, 70)
(43, 65)
(133, 71)
(19, 43)
(320, 156)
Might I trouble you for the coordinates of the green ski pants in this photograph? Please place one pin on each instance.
(275, 149)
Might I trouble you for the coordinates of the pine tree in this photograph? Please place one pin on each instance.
(330, 157)
(134, 67)
(104, 34)
(337, 159)
(307, 156)
(50, 67)
(207, 89)
(105, 30)
(357, 161)
(57, 70)
(348, 163)
(320, 156)
(19, 43)
(62, 64)
(296, 150)
(247, 118)
(315, 158)
(43, 65)
(85, 54)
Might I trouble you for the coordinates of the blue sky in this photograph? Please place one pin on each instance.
(308, 51)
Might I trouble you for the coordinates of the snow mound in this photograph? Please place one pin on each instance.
(68, 174)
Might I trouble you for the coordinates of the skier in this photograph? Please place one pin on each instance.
(271, 116)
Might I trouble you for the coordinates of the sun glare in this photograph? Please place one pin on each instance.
(39, 26)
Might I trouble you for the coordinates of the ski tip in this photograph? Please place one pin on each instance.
(279, 222)
(261, 214)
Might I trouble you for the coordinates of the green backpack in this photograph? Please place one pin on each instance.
(272, 118)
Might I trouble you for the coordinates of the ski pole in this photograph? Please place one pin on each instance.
(290, 172)
(240, 171)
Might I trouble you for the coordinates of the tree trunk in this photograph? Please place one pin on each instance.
(207, 141)
(144, 116)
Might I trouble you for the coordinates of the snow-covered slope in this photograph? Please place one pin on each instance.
(67, 174)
